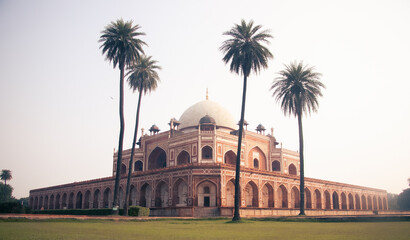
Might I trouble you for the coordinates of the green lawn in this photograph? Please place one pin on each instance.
(201, 229)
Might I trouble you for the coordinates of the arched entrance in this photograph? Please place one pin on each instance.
(180, 193)
(183, 158)
(230, 158)
(161, 195)
(79, 200)
(157, 159)
(282, 197)
(206, 194)
(107, 198)
(335, 200)
(351, 202)
(267, 196)
(328, 204)
(96, 200)
(308, 199)
(318, 199)
(87, 197)
(251, 195)
(57, 204)
(344, 200)
(276, 166)
(230, 193)
(145, 195)
(292, 169)
(295, 198)
(256, 159)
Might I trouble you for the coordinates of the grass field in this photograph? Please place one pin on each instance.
(200, 229)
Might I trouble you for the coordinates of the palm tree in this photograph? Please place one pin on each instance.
(6, 175)
(245, 52)
(142, 77)
(297, 89)
(121, 46)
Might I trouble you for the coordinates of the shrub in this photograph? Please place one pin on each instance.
(11, 207)
(138, 211)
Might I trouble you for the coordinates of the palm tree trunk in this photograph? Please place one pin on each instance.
(134, 142)
(302, 168)
(120, 141)
(236, 215)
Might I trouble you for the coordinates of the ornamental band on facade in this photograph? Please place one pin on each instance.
(189, 170)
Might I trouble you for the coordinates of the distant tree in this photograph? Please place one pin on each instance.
(122, 47)
(298, 88)
(403, 200)
(142, 77)
(392, 200)
(5, 193)
(6, 175)
(245, 52)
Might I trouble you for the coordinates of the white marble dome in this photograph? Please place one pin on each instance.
(191, 116)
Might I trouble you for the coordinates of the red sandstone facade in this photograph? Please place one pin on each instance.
(189, 170)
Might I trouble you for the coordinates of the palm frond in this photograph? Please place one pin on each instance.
(143, 76)
(244, 50)
(297, 89)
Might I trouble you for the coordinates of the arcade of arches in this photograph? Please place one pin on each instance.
(192, 166)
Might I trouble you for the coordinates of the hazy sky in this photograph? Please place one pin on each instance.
(59, 97)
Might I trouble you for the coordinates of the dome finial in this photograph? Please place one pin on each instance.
(206, 93)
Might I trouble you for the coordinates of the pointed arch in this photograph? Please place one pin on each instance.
(295, 198)
(318, 199)
(351, 201)
(251, 195)
(344, 200)
(328, 204)
(207, 194)
(161, 194)
(57, 202)
(180, 193)
(107, 198)
(145, 195)
(157, 159)
(46, 202)
(230, 193)
(71, 201)
(183, 158)
(230, 158)
(207, 152)
(369, 203)
(335, 198)
(138, 166)
(282, 197)
(123, 169)
(292, 169)
(357, 201)
(257, 154)
(267, 196)
(276, 166)
(132, 201)
(308, 199)
(79, 200)
(96, 198)
(87, 199)
(64, 201)
(364, 203)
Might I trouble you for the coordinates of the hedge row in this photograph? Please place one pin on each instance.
(13, 207)
(132, 211)
(91, 212)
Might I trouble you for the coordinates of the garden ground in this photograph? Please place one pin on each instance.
(69, 227)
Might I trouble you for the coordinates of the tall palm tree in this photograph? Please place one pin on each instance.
(297, 89)
(122, 47)
(142, 77)
(6, 175)
(245, 52)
